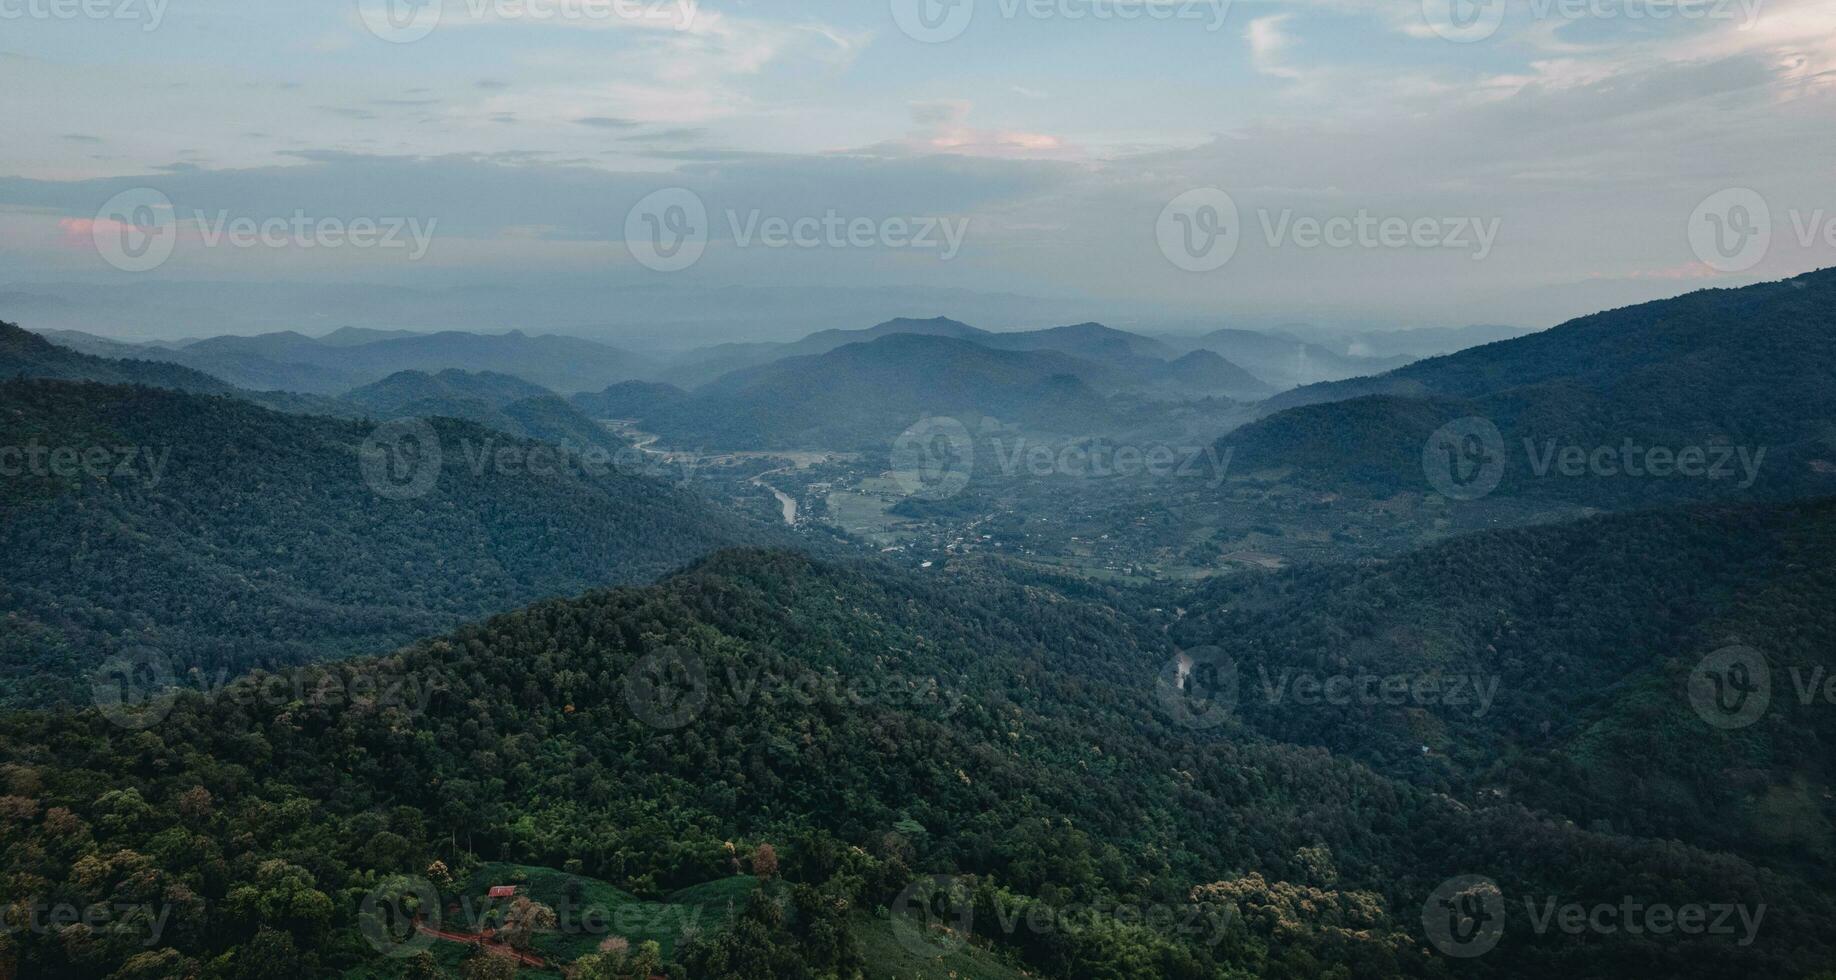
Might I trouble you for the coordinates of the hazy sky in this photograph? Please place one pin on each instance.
(1531, 160)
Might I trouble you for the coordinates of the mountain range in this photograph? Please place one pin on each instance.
(230, 536)
(352, 357)
(1744, 381)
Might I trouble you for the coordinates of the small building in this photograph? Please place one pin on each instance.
(502, 891)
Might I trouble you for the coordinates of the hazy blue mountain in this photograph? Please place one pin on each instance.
(30, 355)
(1282, 360)
(561, 364)
(507, 404)
(866, 393)
(698, 367)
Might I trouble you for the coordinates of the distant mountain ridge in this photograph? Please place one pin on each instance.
(1752, 367)
(864, 394)
(352, 357)
(29, 355)
(507, 404)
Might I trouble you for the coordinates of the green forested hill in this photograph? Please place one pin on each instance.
(227, 536)
(874, 728)
(1587, 635)
(1751, 368)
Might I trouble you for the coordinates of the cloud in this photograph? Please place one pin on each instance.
(1267, 42)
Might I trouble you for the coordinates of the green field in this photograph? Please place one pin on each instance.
(889, 959)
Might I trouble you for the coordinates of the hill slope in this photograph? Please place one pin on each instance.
(875, 728)
(1586, 635)
(499, 401)
(234, 536)
(1752, 370)
(24, 354)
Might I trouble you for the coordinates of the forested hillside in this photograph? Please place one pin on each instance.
(874, 729)
(229, 536)
(1746, 377)
(1572, 647)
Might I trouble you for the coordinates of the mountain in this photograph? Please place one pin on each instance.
(351, 357)
(1727, 374)
(29, 355)
(356, 336)
(698, 367)
(631, 400)
(1418, 342)
(1092, 341)
(562, 364)
(1117, 349)
(820, 742)
(1285, 361)
(1579, 641)
(230, 536)
(498, 401)
(865, 394)
(1202, 373)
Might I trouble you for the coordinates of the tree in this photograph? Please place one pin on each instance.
(765, 862)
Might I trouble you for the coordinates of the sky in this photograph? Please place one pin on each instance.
(1394, 162)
